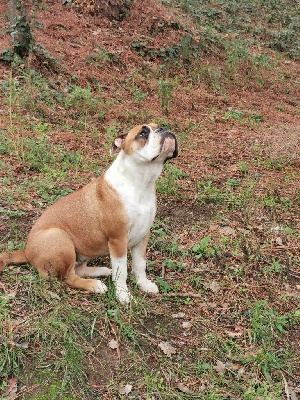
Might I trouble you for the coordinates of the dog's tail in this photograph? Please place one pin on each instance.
(13, 257)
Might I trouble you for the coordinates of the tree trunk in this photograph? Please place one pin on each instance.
(12, 12)
(20, 32)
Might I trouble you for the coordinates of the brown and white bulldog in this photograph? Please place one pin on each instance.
(108, 215)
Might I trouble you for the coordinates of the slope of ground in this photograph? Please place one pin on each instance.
(224, 248)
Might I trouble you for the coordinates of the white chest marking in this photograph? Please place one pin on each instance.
(141, 219)
(136, 189)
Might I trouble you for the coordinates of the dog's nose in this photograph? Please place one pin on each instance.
(161, 129)
(165, 132)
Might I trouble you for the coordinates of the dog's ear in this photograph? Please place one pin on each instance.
(117, 143)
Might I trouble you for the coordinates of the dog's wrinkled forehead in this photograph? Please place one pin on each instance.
(134, 139)
(149, 138)
(140, 131)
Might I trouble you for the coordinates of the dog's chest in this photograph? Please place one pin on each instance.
(136, 188)
(141, 215)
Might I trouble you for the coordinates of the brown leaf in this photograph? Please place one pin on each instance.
(232, 366)
(234, 334)
(113, 344)
(125, 390)
(11, 389)
(220, 367)
(182, 388)
(186, 324)
(179, 315)
(9, 296)
(213, 286)
(53, 295)
(167, 348)
(213, 228)
(227, 231)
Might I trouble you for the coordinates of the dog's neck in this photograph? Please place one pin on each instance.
(129, 176)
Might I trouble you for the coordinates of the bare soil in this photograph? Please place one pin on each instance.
(211, 147)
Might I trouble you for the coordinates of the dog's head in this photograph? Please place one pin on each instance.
(148, 143)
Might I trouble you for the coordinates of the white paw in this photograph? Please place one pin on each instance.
(99, 287)
(123, 296)
(148, 286)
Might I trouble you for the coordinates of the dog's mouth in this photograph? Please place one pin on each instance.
(168, 144)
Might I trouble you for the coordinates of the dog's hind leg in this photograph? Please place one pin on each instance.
(51, 252)
(91, 285)
(83, 271)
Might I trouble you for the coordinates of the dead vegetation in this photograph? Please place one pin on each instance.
(225, 245)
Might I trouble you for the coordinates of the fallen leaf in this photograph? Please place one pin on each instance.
(18, 321)
(113, 344)
(278, 241)
(167, 348)
(53, 295)
(186, 324)
(182, 388)
(232, 366)
(8, 296)
(227, 231)
(179, 315)
(125, 390)
(23, 345)
(97, 32)
(220, 367)
(234, 334)
(213, 286)
(213, 228)
(11, 389)
(212, 305)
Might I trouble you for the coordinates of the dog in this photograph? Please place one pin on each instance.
(109, 215)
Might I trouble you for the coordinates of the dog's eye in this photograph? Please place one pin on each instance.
(144, 133)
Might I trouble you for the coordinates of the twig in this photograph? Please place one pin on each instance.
(294, 275)
(290, 394)
(182, 294)
(26, 390)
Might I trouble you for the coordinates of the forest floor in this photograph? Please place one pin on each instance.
(224, 248)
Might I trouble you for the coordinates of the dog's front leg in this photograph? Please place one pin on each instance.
(138, 253)
(118, 257)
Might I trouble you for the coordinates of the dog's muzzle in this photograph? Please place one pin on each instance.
(168, 142)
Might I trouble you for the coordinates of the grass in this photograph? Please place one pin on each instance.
(223, 248)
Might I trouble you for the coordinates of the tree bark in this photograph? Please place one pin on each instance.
(20, 30)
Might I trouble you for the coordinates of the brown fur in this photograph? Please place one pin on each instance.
(90, 222)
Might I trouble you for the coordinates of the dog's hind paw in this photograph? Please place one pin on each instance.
(99, 287)
(123, 296)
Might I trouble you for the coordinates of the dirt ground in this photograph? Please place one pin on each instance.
(217, 145)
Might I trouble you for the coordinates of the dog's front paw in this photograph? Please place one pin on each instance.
(99, 287)
(148, 286)
(123, 296)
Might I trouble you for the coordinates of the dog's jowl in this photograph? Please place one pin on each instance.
(109, 215)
